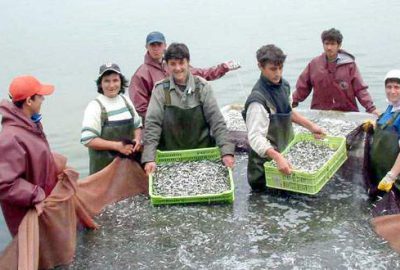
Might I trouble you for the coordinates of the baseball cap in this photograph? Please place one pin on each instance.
(108, 67)
(23, 87)
(155, 37)
(393, 74)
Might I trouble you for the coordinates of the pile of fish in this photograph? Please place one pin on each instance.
(333, 127)
(307, 156)
(234, 121)
(190, 178)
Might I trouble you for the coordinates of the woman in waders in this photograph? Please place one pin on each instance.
(183, 114)
(111, 124)
(384, 159)
(268, 115)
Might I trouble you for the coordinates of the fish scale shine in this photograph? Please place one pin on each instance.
(190, 178)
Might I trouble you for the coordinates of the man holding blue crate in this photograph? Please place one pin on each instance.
(183, 113)
(268, 115)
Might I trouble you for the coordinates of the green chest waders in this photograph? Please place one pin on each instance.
(384, 150)
(110, 131)
(184, 128)
(280, 134)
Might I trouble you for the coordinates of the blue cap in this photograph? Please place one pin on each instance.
(155, 37)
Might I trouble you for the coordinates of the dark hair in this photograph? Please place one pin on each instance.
(20, 103)
(124, 82)
(332, 35)
(392, 80)
(270, 54)
(177, 51)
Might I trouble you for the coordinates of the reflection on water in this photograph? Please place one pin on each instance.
(259, 231)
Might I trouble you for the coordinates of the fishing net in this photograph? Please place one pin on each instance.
(49, 240)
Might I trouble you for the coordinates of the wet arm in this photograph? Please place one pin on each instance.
(312, 127)
(301, 120)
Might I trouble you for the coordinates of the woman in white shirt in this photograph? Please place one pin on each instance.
(111, 124)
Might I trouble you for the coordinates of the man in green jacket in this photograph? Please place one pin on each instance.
(183, 113)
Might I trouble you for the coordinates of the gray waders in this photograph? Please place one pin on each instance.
(110, 131)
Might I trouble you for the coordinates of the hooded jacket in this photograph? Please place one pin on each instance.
(27, 169)
(335, 85)
(145, 77)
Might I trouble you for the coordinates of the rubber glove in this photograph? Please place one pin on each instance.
(368, 124)
(232, 65)
(387, 182)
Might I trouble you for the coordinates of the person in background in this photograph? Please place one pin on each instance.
(268, 115)
(110, 124)
(155, 69)
(334, 79)
(28, 172)
(183, 113)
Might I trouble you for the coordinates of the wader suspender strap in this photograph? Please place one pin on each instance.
(128, 106)
(268, 106)
(197, 84)
(103, 115)
(167, 94)
(391, 120)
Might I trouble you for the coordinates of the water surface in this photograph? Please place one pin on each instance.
(64, 43)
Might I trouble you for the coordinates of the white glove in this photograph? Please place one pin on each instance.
(232, 65)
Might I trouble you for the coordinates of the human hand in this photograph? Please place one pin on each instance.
(376, 112)
(283, 165)
(150, 167)
(232, 65)
(39, 207)
(137, 146)
(228, 160)
(125, 149)
(318, 132)
(387, 182)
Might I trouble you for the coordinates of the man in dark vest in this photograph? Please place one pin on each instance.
(183, 113)
(268, 115)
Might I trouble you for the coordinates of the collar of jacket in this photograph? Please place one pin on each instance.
(347, 59)
(268, 84)
(13, 116)
(151, 62)
(190, 84)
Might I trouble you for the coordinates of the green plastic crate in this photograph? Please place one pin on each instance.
(191, 155)
(308, 183)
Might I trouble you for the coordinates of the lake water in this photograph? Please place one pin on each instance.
(64, 43)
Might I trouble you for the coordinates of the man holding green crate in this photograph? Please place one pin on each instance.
(269, 116)
(183, 113)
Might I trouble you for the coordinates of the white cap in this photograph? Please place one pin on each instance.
(393, 74)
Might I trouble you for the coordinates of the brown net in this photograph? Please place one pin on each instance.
(49, 240)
